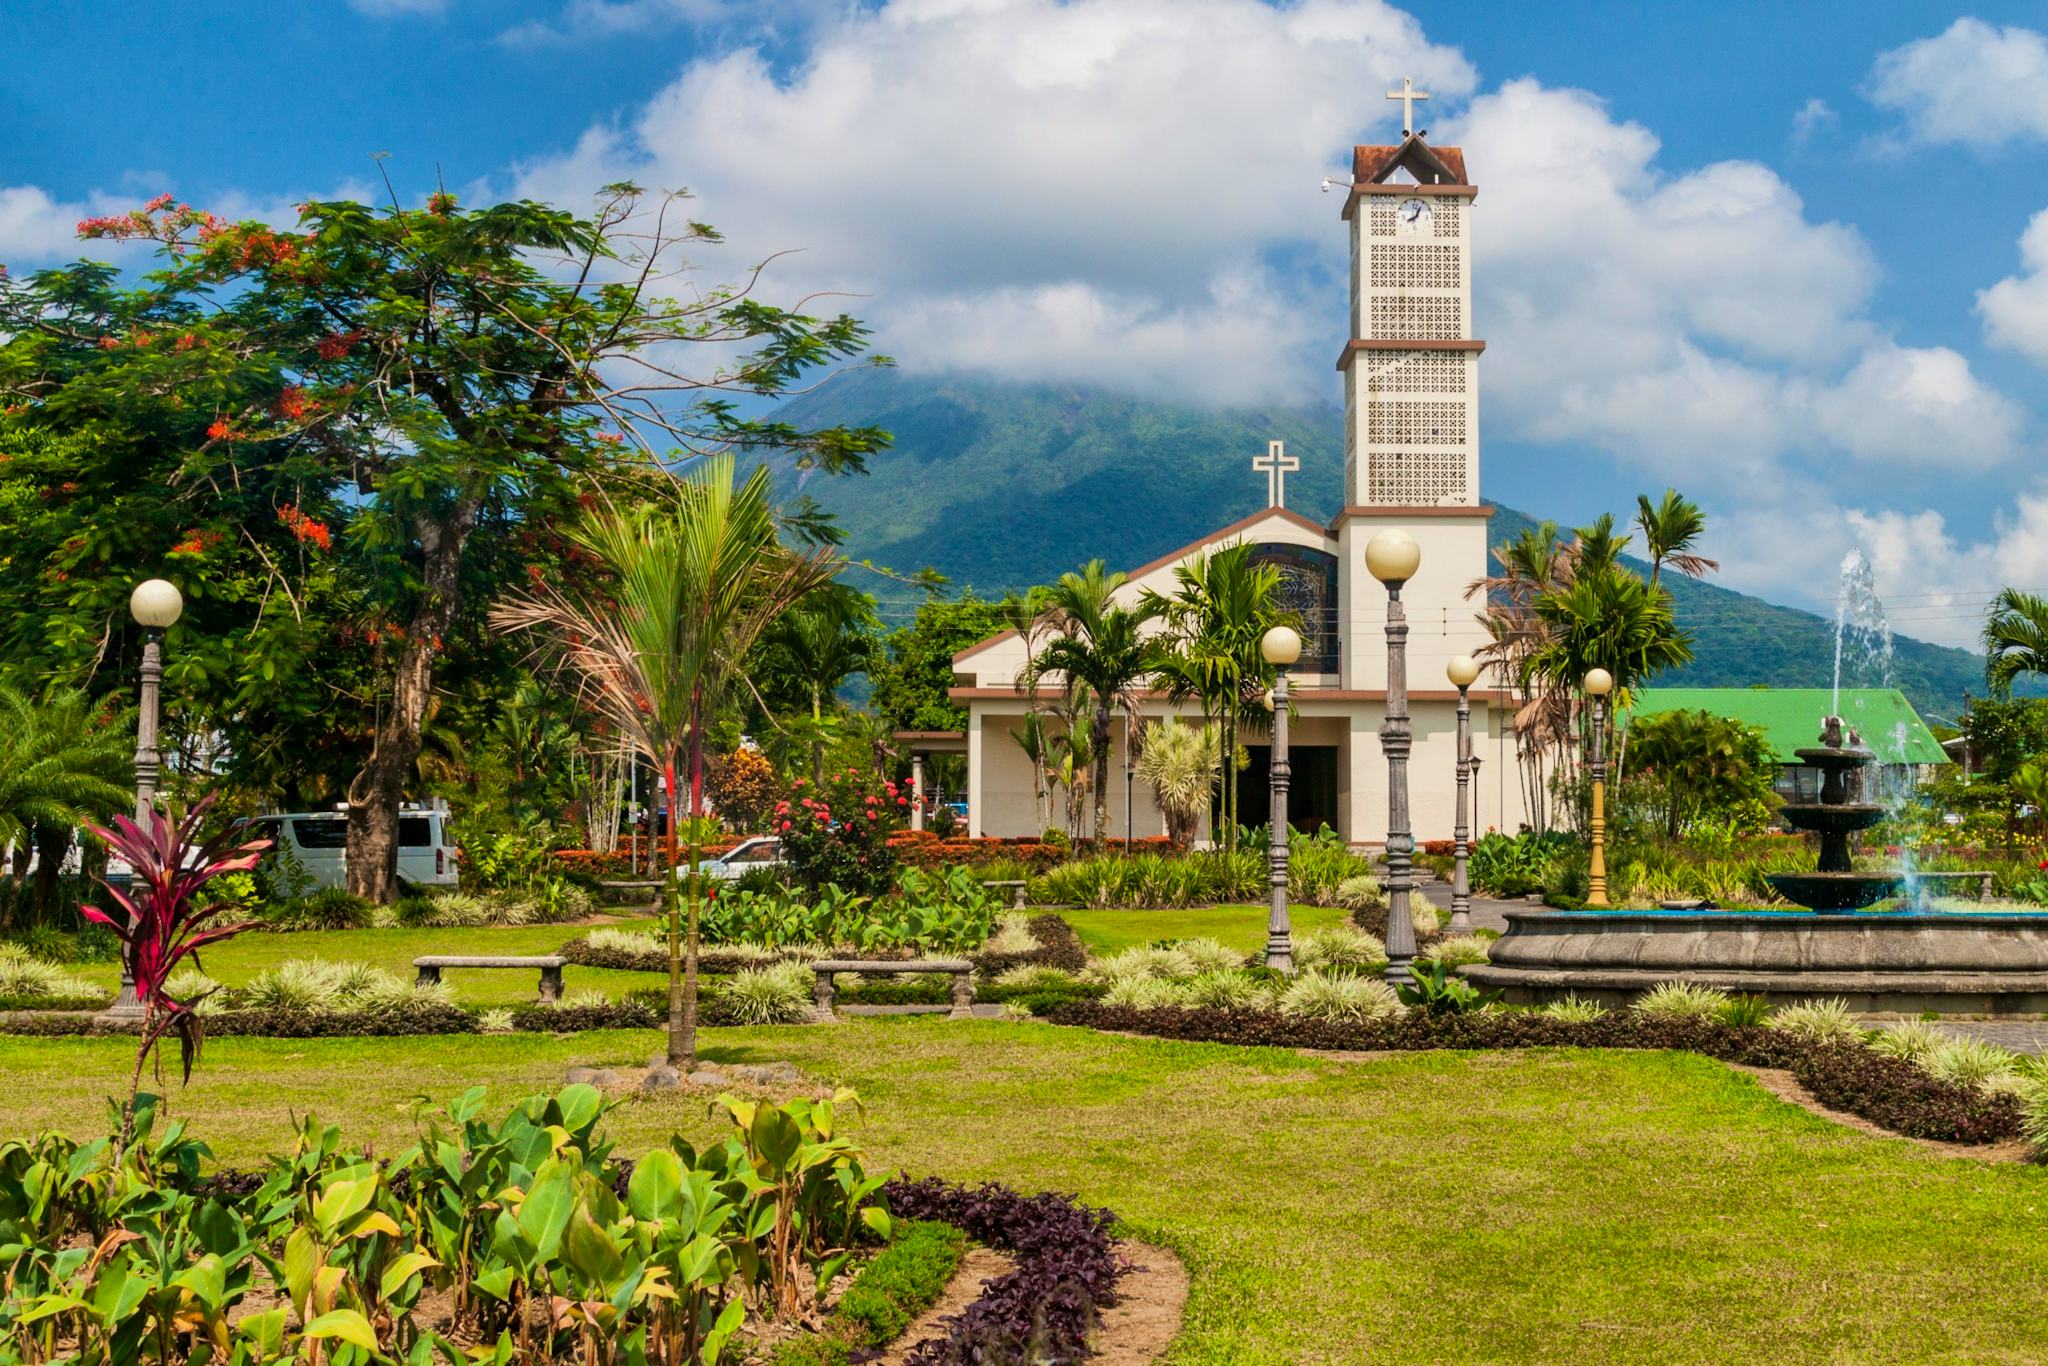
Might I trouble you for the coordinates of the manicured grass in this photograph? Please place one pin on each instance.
(1241, 927)
(234, 961)
(1513, 1207)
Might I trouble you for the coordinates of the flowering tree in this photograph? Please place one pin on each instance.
(837, 831)
(421, 395)
(164, 921)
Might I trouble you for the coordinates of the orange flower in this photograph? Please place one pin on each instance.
(220, 430)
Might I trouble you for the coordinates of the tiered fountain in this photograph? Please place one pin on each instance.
(1887, 962)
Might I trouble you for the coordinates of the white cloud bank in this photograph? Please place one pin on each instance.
(1975, 83)
(2015, 310)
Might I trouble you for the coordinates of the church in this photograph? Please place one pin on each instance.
(1411, 461)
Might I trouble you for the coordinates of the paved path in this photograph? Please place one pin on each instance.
(2021, 1036)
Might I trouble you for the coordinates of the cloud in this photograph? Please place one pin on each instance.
(2015, 310)
(1975, 83)
(1934, 582)
(1813, 118)
(35, 227)
(39, 229)
(1698, 325)
(1112, 170)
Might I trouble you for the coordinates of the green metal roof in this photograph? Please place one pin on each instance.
(1790, 717)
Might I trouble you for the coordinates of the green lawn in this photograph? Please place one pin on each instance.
(1513, 1207)
(1241, 927)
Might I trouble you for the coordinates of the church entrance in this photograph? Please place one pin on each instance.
(1311, 787)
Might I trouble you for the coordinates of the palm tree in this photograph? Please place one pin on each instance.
(2015, 639)
(1531, 565)
(812, 649)
(1221, 608)
(1036, 742)
(1671, 527)
(1102, 646)
(689, 585)
(1181, 762)
(64, 762)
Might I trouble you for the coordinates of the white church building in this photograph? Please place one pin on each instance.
(1411, 461)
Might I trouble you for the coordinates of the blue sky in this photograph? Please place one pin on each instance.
(1771, 254)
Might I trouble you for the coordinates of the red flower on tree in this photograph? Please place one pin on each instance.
(221, 430)
(305, 528)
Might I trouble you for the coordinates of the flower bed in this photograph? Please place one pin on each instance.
(1847, 1076)
(1058, 947)
(1067, 1270)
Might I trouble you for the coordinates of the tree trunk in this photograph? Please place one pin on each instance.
(1100, 734)
(53, 842)
(379, 786)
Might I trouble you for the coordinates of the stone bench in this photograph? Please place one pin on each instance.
(827, 994)
(1016, 887)
(430, 967)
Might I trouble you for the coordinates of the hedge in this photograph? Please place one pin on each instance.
(1887, 1091)
(905, 1278)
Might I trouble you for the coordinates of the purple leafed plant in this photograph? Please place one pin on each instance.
(166, 919)
(1067, 1268)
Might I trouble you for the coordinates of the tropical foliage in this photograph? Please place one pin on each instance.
(64, 761)
(2015, 639)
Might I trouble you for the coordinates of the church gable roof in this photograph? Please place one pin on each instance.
(1429, 165)
(1232, 532)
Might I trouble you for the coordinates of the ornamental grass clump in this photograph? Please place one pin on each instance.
(1819, 1022)
(26, 977)
(1158, 964)
(1912, 1040)
(1681, 1001)
(1013, 935)
(765, 996)
(1228, 990)
(1575, 1010)
(1342, 998)
(1035, 977)
(1361, 892)
(1424, 915)
(1339, 948)
(1459, 951)
(1210, 955)
(1969, 1062)
(1145, 993)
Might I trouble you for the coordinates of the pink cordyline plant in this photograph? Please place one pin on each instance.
(166, 921)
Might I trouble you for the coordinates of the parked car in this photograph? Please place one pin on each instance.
(762, 851)
(318, 842)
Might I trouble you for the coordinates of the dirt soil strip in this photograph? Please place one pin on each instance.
(1786, 1087)
(1150, 1298)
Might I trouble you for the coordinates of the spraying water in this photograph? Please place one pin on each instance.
(1863, 650)
(1863, 634)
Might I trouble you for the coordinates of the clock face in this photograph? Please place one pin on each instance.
(1412, 217)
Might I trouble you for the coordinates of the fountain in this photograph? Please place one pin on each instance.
(1835, 886)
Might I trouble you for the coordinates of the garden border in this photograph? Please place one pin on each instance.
(1887, 1091)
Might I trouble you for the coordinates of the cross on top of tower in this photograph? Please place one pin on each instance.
(1407, 95)
(1275, 464)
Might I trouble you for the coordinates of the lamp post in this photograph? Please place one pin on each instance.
(1463, 673)
(155, 604)
(1393, 557)
(1599, 683)
(1280, 647)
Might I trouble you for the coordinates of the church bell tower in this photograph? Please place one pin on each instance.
(1411, 398)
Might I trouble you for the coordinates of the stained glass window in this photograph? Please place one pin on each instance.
(1308, 588)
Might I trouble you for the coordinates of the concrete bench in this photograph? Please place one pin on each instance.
(550, 966)
(827, 994)
(1016, 887)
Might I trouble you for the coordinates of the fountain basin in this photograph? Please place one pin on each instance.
(1835, 893)
(1890, 964)
(1832, 820)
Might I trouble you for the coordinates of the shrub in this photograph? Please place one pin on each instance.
(1573, 1010)
(1035, 977)
(1681, 1001)
(1209, 955)
(1821, 1021)
(767, 996)
(1423, 915)
(329, 908)
(1058, 947)
(1210, 878)
(1013, 935)
(1340, 997)
(494, 1022)
(1745, 1010)
(1339, 948)
(837, 833)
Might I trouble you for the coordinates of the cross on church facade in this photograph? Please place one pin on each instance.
(1275, 464)
(1407, 95)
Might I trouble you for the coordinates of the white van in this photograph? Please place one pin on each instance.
(318, 842)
